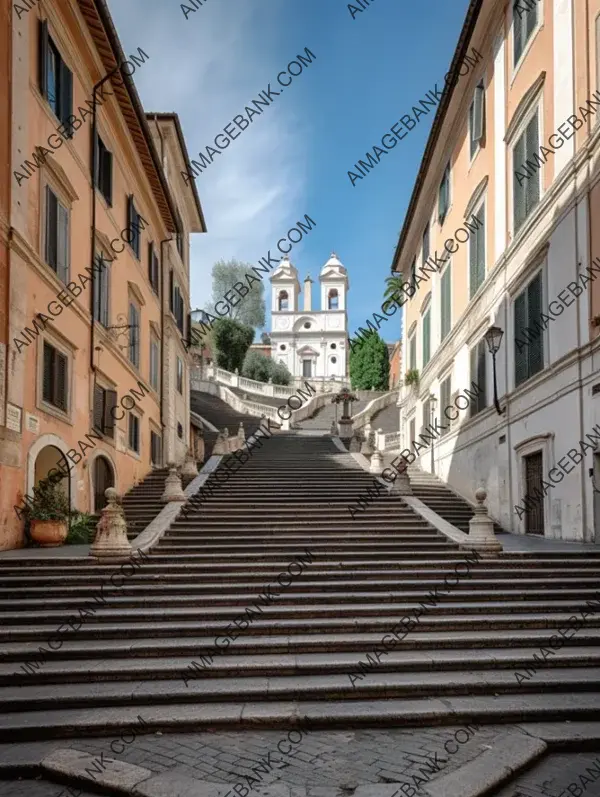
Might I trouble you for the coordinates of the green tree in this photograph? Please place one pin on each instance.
(250, 309)
(370, 364)
(257, 366)
(262, 368)
(231, 340)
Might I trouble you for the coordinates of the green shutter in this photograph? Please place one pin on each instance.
(521, 359)
(519, 184)
(517, 31)
(481, 375)
(532, 146)
(426, 337)
(535, 349)
(446, 307)
(481, 247)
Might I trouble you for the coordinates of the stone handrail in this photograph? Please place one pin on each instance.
(360, 419)
(248, 407)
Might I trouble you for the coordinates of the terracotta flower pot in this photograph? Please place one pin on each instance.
(49, 533)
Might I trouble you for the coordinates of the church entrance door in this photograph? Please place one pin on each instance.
(307, 368)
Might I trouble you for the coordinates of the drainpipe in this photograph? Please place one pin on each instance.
(162, 346)
(93, 242)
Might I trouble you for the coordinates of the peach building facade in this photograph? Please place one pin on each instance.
(503, 229)
(96, 373)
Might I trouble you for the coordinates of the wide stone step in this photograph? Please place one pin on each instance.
(227, 614)
(221, 665)
(166, 627)
(194, 717)
(374, 685)
(164, 597)
(27, 657)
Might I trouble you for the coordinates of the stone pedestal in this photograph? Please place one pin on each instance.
(401, 484)
(356, 442)
(111, 535)
(219, 448)
(345, 426)
(173, 490)
(482, 537)
(190, 468)
(376, 463)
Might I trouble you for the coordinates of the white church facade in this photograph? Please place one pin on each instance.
(310, 342)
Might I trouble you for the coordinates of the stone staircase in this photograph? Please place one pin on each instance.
(445, 502)
(293, 656)
(221, 415)
(323, 417)
(143, 502)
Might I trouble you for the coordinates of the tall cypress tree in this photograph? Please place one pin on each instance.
(370, 364)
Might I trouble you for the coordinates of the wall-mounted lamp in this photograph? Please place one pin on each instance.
(493, 338)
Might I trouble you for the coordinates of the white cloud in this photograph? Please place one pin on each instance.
(207, 69)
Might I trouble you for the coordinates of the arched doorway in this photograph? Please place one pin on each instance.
(103, 479)
(50, 458)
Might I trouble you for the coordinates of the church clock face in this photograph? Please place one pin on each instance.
(282, 323)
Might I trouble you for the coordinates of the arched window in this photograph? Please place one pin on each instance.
(283, 300)
(333, 299)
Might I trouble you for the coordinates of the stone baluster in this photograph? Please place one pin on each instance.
(173, 490)
(111, 535)
(482, 537)
(190, 468)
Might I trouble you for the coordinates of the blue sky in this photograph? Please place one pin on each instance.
(294, 158)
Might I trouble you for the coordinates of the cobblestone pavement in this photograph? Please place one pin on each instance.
(553, 776)
(340, 760)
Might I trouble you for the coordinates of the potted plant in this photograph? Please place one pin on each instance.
(82, 530)
(47, 513)
(411, 377)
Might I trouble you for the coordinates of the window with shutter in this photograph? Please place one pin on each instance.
(445, 390)
(134, 334)
(413, 431)
(532, 147)
(426, 338)
(526, 189)
(103, 170)
(444, 195)
(98, 421)
(154, 363)
(101, 289)
(55, 377)
(412, 360)
(535, 349)
(47, 376)
(426, 415)
(51, 232)
(62, 261)
(477, 371)
(525, 20)
(477, 254)
(155, 447)
(61, 381)
(426, 244)
(56, 80)
(179, 376)
(446, 303)
(477, 118)
(110, 402)
(134, 433)
(519, 206)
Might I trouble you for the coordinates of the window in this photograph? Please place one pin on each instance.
(57, 234)
(306, 368)
(133, 226)
(426, 244)
(283, 300)
(133, 436)
(101, 289)
(282, 347)
(445, 393)
(56, 80)
(525, 19)
(529, 341)
(526, 189)
(446, 303)
(154, 361)
(413, 274)
(444, 195)
(104, 402)
(426, 414)
(426, 337)
(334, 360)
(153, 269)
(179, 376)
(155, 448)
(477, 119)
(477, 254)
(134, 334)
(412, 353)
(334, 345)
(478, 375)
(179, 431)
(307, 325)
(176, 302)
(55, 377)
(103, 170)
(334, 299)
(180, 236)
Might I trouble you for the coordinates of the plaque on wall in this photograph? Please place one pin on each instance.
(13, 417)
(32, 423)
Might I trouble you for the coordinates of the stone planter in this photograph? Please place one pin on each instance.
(49, 533)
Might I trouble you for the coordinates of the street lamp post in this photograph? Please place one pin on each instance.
(493, 338)
(432, 402)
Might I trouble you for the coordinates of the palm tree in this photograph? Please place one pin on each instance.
(393, 289)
